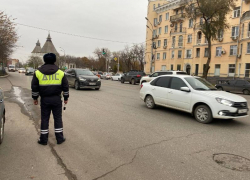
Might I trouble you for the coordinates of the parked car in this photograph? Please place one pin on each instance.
(132, 77)
(83, 79)
(116, 77)
(98, 74)
(30, 71)
(240, 86)
(2, 116)
(21, 70)
(193, 95)
(106, 75)
(160, 73)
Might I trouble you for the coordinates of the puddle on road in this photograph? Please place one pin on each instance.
(17, 93)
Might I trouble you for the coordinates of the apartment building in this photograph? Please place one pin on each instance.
(180, 45)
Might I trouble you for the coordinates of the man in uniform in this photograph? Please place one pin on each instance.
(49, 82)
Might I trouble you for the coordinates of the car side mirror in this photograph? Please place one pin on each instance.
(185, 89)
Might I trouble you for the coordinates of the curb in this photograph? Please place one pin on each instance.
(4, 76)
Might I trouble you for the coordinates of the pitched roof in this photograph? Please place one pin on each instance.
(49, 47)
(38, 48)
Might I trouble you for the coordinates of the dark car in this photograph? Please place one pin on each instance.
(2, 116)
(132, 77)
(83, 79)
(29, 71)
(242, 86)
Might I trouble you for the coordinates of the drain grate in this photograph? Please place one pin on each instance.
(233, 162)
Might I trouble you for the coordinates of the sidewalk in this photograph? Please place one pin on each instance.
(5, 84)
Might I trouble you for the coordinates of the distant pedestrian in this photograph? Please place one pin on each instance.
(49, 82)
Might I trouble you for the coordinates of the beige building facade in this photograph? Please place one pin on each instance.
(180, 45)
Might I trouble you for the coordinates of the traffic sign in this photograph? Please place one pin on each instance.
(115, 58)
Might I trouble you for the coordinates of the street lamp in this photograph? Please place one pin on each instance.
(64, 55)
(151, 61)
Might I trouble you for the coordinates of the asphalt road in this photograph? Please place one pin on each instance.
(111, 135)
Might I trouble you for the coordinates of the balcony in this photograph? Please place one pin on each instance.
(245, 16)
(178, 17)
(198, 41)
(179, 30)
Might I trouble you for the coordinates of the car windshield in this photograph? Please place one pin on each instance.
(30, 69)
(84, 72)
(21, 69)
(184, 73)
(200, 84)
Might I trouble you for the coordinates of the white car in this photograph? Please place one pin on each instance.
(194, 95)
(21, 70)
(116, 77)
(160, 73)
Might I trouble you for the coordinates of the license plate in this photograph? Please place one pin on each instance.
(243, 111)
(92, 84)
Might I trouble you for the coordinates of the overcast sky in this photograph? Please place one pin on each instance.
(118, 20)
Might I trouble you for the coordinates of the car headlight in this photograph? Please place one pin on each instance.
(82, 79)
(224, 102)
(99, 79)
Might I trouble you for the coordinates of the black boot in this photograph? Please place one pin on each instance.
(60, 142)
(42, 143)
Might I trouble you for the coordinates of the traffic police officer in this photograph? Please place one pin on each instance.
(49, 82)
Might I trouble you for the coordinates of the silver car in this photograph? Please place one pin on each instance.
(2, 115)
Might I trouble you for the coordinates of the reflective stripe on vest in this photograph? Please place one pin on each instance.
(50, 80)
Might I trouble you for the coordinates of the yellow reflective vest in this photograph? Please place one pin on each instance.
(50, 80)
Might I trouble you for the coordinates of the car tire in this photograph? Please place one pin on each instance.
(246, 92)
(133, 81)
(122, 81)
(150, 103)
(203, 114)
(220, 88)
(112, 79)
(76, 85)
(2, 129)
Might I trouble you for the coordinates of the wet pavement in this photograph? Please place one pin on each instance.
(112, 135)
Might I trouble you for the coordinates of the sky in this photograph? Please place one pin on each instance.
(116, 20)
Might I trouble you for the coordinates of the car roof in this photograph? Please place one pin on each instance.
(183, 76)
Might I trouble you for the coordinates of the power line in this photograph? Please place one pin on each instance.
(72, 34)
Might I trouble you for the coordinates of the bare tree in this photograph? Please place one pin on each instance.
(34, 61)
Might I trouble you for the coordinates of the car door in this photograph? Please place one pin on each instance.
(239, 85)
(160, 90)
(176, 98)
(68, 76)
(126, 76)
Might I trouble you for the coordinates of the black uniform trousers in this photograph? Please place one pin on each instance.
(54, 104)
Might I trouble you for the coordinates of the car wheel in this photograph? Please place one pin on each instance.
(122, 81)
(2, 129)
(246, 92)
(77, 85)
(203, 114)
(220, 88)
(150, 103)
(133, 81)
(112, 79)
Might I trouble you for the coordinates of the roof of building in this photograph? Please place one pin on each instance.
(49, 47)
(38, 48)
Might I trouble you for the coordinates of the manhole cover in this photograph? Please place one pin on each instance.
(232, 161)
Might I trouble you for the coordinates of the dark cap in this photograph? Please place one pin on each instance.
(49, 58)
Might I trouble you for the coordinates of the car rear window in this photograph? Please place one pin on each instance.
(184, 73)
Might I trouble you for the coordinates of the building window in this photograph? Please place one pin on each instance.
(206, 41)
(179, 54)
(172, 67)
(159, 43)
(206, 52)
(247, 70)
(188, 53)
(241, 49)
(181, 27)
(218, 51)
(236, 12)
(160, 18)
(158, 56)
(198, 52)
(201, 21)
(154, 6)
(154, 33)
(191, 23)
(178, 67)
(231, 68)
(163, 67)
(220, 34)
(166, 29)
(248, 30)
(190, 38)
(248, 48)
(180, 44)
(160, 31)
(159, 5)
(164, 55)
(173, 41)
(199, 36)
(242, 32)
(235, 31)
(233, 50)
(175, 27)
(165, 42)
(155, 21)
(167, 16)
(172, 56)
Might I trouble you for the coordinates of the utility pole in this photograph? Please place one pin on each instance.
(152, 45)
